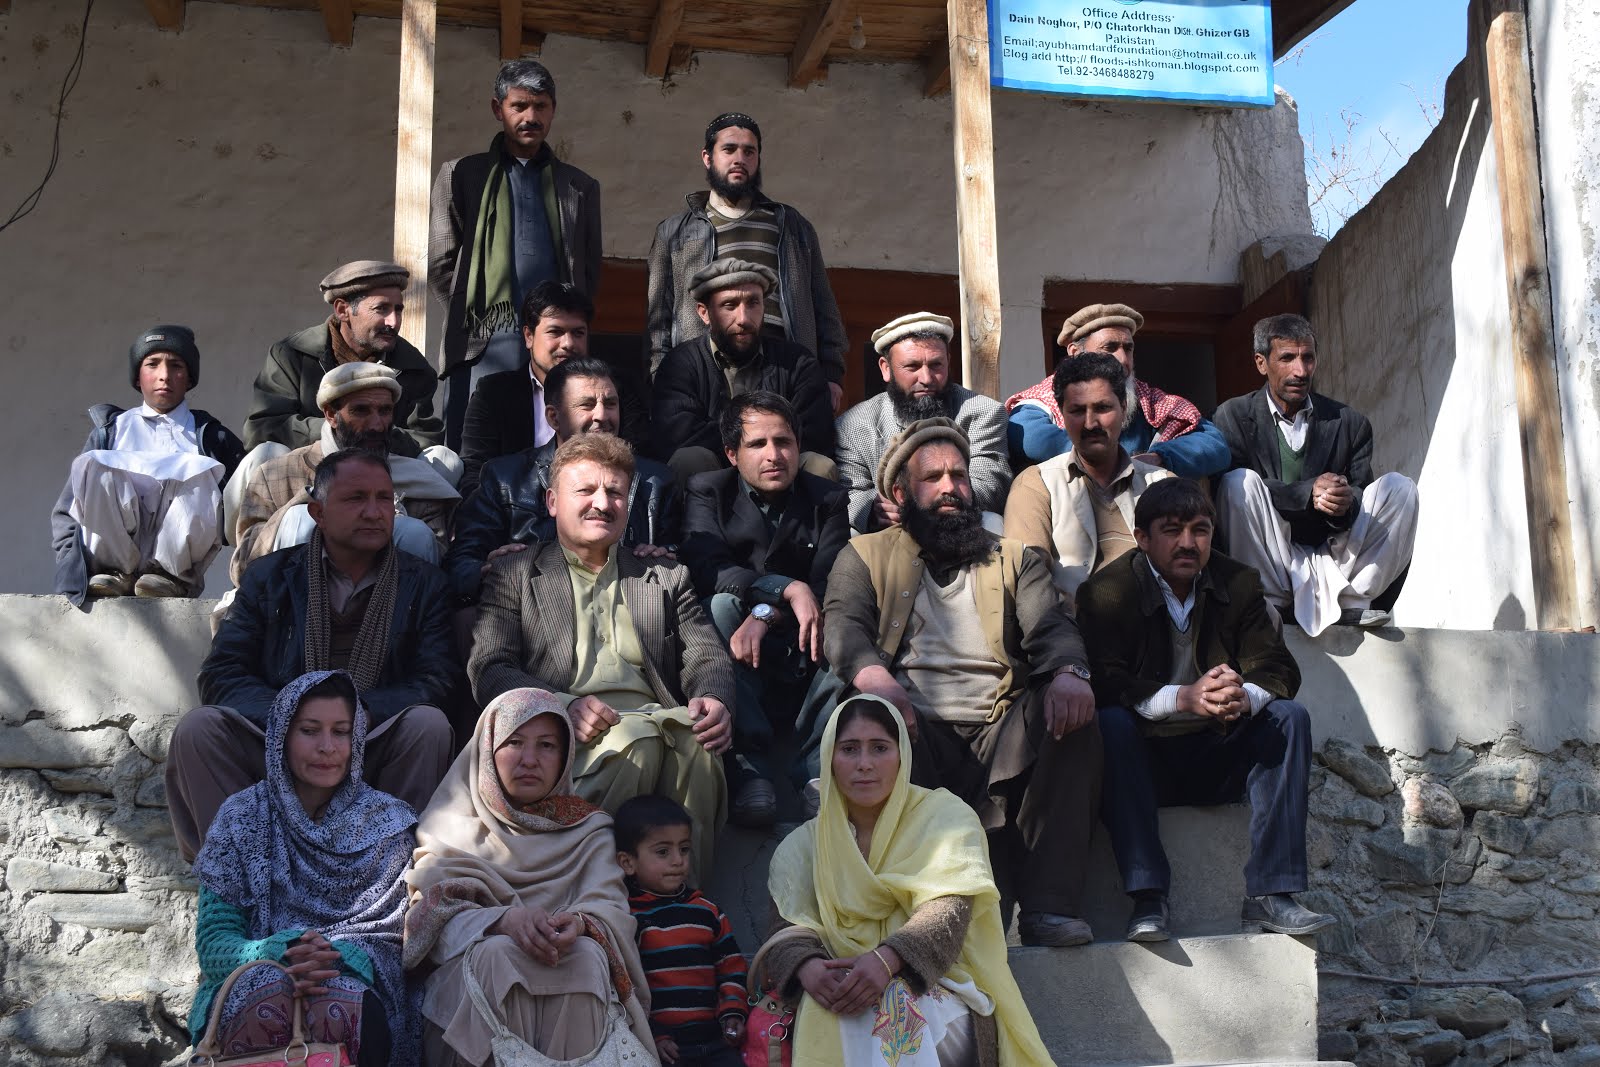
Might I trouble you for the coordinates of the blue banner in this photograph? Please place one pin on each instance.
(1191, 51)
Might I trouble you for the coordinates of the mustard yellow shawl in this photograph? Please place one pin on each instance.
(927, 844)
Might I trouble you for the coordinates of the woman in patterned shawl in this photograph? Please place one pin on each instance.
(514, 867)
(903, 958)
(307, 868)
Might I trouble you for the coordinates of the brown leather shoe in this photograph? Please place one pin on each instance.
(110, 584)
(156, 584)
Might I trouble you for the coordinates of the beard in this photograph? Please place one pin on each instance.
(909, 409)
(1130, 402)
(348, 437)
(730, 191)
(737, 350)
(949, 540)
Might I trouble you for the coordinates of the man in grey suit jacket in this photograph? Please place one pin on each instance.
(622, 641)
(499, 223)
(914, 358)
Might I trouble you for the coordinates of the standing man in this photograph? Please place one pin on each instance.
(966, 635)
(914, 359)
(1160, 428)
(760, 540)
(1196, 688)
(735, 220)
(1302, 506)
(1078, 507)
(499, 223)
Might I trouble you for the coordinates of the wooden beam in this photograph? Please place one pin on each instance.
(1544, 469)
(167, 13)
(340, 18)
(414, 161)
(510, 29)
(936, 70)
(663, 34)
(816, 37)
(678, 62)
(532, 42)
(977, 245)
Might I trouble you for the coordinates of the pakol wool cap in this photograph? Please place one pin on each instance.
(884, 337)
(363, 276)
(905, 444)
(1085, 321)
(349, 378)
(726, 273)
(179, 340)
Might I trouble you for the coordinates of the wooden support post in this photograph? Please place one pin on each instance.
(936, 70)
(414, 161)
(975, 217)
(532, 42)
(663, 34)
(816, 37)
(1544, 468)
(340, 18)
(167, 13)
(510, 29)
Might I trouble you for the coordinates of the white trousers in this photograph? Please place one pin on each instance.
(143, 508)
(1318, 581)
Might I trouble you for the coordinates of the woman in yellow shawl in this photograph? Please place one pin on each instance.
(907, 966)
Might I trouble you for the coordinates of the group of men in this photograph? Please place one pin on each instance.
(698, 554)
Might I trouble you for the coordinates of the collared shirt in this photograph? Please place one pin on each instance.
(769, 587)
(741, 376)
(542, 430)
(340, 586)
(607, 655)
(1294, 429)
(144, 429)
(1164, 704)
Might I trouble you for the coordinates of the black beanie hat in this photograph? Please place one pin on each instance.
(179, 340)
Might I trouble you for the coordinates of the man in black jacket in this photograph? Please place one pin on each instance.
(510, 509)
(698, 378)
(499, 223)
(1195, 691)
(349, 600)
(1301, 505)
(760, 539)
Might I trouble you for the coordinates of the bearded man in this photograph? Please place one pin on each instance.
(914, 359)
(965, 633)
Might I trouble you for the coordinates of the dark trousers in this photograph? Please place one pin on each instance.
(1266, 757)
(708, 1054)
(1038, 798)
(761, 694)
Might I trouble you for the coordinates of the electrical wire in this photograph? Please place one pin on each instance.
(31, 201)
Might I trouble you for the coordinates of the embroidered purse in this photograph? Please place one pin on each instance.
(298, 1051)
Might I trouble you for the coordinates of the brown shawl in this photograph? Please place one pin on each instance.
(372, 639)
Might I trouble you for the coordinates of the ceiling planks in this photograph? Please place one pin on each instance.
(820, 28)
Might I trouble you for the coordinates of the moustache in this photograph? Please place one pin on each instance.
(596, 513)
(1185, 554)
(947, 498)
(1096, 434)
(530, 127)
(1297, 383)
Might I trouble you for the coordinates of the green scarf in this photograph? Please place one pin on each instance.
(492, 275)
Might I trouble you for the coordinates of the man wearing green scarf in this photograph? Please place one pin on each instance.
(500, 223)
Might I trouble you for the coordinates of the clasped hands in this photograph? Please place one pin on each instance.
(545, 937)
(1332, 494)
(713, 726)
(1217, 694)
(850, 986)
(311, 961)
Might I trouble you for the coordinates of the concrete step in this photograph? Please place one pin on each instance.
(1198, 1000)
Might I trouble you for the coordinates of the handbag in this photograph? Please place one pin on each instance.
(619, 1048)
(298, 1051)
(771, 1023)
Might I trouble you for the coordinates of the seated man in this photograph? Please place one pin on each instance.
(965, 634)
(1302, 507)
(1160, 429)
(139, 513)
(347, 600)
(510, 509)
(914, 359)
(358, 404)
(1194, 685)
(760, 539)
(697, 379)
(621, 640)
(1078, 507)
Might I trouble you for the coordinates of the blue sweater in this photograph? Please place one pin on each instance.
(1034, 437)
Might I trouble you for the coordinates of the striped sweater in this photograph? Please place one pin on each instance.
(694, 966)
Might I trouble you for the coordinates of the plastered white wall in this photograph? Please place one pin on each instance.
(1565, 39)
(211, 177)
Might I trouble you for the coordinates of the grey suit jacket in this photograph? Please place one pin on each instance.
(525, 634)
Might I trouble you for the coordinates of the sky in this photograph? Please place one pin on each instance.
(1384, 64)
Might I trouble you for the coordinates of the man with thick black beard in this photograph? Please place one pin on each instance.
(914, 359)
(966, 634)
(733, 219)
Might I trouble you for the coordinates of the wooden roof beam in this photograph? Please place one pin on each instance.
(816, 37)
(936, 69)
(167, 13)
(510, 29)
(663, 35)
(340, 18)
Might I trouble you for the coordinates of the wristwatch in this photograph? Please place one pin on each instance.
(764, 613)
(1079, 670)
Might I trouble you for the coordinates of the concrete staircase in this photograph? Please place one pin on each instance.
(1210, 996)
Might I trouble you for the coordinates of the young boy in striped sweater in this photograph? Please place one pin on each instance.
(693, 963)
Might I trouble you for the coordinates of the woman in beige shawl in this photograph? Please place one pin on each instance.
(510, 861)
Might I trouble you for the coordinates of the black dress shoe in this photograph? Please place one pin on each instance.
(1281, 914)
(1149, 919)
